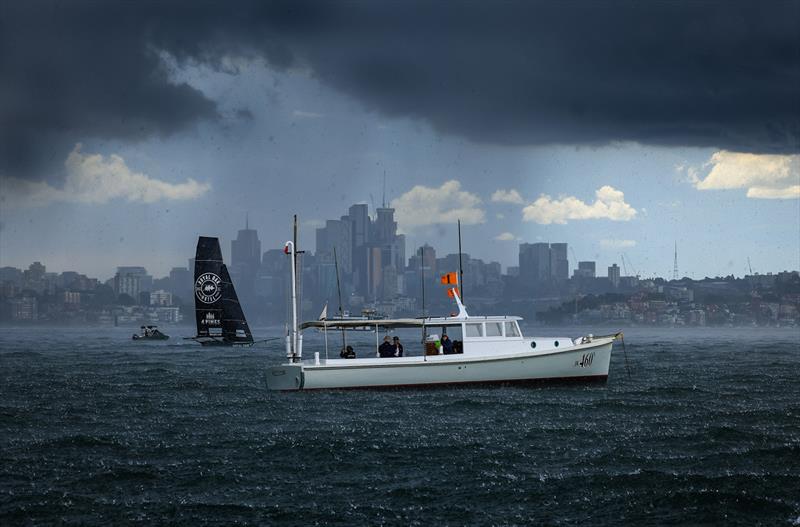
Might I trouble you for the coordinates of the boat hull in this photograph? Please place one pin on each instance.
(579, 363)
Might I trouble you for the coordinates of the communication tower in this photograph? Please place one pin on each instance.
(675, 275)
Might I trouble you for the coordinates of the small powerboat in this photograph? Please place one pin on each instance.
(150, 333)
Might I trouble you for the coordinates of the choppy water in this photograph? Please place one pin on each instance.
(98, 429)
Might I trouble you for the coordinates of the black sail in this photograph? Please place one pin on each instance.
(219, 316)
(208, 287)
(234, 325)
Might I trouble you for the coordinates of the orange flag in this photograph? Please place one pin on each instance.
(450, 292)
(449, 278)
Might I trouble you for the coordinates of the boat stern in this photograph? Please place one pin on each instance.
(285, 377)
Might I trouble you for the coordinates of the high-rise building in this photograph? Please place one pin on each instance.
(586, 270)
(559, 264)
(534, 262)
(273, 277)
(245, 258)
(543, 262)
(384, 229)
(181, 283)
(374, 276)
(337, 234)
(359, 219)
(613, 275)
(427, 259)
(132, 280)
(358, 216)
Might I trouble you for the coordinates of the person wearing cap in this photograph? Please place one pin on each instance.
(386, 349)
(398, 348)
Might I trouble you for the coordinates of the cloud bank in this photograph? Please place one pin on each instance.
(720, 74)
(610, 204)
(764, 176)
(93, 178)
(422, 206)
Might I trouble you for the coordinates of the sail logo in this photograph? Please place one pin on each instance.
(207, 288)
(210, 320)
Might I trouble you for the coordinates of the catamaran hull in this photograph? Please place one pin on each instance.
(582, 363)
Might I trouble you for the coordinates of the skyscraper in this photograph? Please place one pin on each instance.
(542, 262)
(534, 262)
(559, 264)
(245, 258)
(358, 216)
(337, 234)
(385, 228)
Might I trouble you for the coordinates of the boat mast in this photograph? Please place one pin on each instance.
(339, 291)
(422, 269)
(460, 270)
(290, 249)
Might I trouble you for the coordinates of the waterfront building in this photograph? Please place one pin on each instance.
(161, 298)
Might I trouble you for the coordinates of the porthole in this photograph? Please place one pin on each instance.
(533, 344)
(555, 343)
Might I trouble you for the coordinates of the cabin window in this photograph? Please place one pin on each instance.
(474, 330)
(511, 329)
(494, 329)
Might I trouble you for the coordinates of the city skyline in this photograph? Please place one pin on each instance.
(575, 267)
(568, 124)
(360, 262)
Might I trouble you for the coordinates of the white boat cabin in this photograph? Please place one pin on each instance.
(472, 336)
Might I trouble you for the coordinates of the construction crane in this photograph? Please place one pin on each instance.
(630, 264)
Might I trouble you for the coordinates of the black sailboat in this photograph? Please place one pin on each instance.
(219, 316)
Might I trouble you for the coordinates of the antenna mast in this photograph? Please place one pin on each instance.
(675, 265)
(460, 269)
(422, 269)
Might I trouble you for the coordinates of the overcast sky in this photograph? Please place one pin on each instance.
(128, 129)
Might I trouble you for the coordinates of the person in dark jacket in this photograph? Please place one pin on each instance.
(386, 349)
(398, 348)
(348, 353)
(447, 345)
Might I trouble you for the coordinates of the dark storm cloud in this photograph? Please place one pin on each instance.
(721, 74)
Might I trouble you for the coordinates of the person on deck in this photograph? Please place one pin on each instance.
(447, 345)
(348, 353)
(398, 348)
(386, 349)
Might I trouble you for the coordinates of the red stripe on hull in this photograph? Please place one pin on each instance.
(514, 382)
